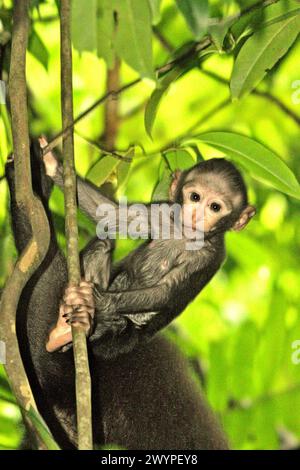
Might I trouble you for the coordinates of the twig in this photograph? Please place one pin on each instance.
(55, 141)
(83, 379)
(255, 6)
(164, 42)
(95, 144)
(203, 119)
(36, 249)
(273, 99)
(263, 94)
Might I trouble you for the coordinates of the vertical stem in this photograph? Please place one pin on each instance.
(83, 380)
(111, 117)
(36, 249)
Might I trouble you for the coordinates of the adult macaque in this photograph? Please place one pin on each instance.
(151, 286)
(142, 400)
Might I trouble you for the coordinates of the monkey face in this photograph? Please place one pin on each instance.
(208, 201)
(203, 206)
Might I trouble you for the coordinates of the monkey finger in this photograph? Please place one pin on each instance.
(85, 283)
(75, 299)
(81, 324)
(65, 308)
(86, 291)
(84, 317)
(87, 300)
(71, 289)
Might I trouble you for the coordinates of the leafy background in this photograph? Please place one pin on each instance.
(239, 333)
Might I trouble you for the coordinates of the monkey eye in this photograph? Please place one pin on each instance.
(215, 207)
(195, 197)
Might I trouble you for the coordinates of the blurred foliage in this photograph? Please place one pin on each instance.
(238, 333)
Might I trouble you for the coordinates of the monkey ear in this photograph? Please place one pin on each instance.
(176, 177)
(244, 218)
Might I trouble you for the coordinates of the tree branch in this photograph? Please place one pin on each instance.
(111, 118)
(35, 251)
(95, 144)
(83, 379)
(263, 94)
(55, 141)
(256, 6)
(196, 48)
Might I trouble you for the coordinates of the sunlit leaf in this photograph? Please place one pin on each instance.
(161, 191)
(105, 31)
(218, 31)
(99, 173)
(42, 430)
(179, 159)
(269, 358)
(133, 38)
(38, 49)
(217, 387)
(155, 10)
(195, 14)
(157, 95)
(84, 29)
(259, 19)
(245, 343)
(123, 170)
(260, 53)
(259, 160)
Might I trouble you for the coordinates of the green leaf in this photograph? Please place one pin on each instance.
(99, 173)
(260, 53)
(123, 170)
(195, 13)
(155, 10)
(261, 18)
(42, 430)
(259, 160)
(133, 39)
(179, 159)
(245, 343)
(105, 31)
(38, 49)
(161, 191)
(93, 27)
(84, 24)
(155, 99)
(219, 30)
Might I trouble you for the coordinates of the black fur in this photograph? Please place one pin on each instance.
(142, 400)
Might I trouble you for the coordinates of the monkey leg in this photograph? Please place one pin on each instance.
(77, 309)
(96, 260)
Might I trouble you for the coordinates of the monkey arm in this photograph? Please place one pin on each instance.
(132, 301)
(89, 196)
(90, 199)
(147, 299)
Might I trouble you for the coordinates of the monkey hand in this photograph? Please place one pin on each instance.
(50, 161)
(77, 309)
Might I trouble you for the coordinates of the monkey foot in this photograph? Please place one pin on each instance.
(49, 159)
(77, 309)
(61, 335)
